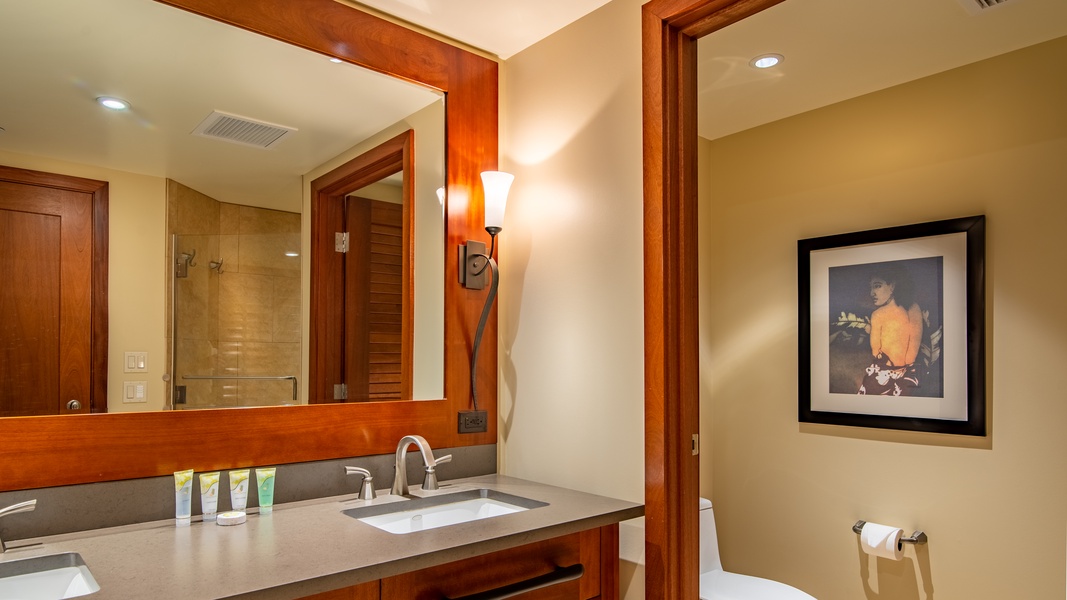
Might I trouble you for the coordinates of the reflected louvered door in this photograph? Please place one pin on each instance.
(374, 300)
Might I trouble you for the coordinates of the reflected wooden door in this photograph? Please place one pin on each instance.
(374, 287)
(49, 351)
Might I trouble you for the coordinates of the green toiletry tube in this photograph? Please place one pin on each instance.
(265, 481)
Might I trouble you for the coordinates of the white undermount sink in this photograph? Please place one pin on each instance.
(420, 514)
(51, 577)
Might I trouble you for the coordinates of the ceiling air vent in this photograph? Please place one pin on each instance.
(976, 6)
(242, 130)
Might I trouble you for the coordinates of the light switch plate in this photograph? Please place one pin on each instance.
(135, 362)
(134, 392)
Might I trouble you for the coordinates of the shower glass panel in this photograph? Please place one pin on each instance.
(236, 316)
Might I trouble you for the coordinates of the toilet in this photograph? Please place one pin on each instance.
(716, 584)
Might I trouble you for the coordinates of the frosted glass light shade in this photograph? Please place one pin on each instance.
(496, 184)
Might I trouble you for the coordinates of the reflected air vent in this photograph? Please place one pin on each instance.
(242, 130)
(976, 6)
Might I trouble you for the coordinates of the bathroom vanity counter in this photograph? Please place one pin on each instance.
(311, 547)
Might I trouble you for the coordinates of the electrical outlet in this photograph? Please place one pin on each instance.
(473, 421)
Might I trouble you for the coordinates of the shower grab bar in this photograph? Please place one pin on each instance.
(263, 377)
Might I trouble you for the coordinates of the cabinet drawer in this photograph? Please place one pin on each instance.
(506, 567)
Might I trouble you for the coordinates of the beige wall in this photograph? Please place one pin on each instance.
(990, 138)
(571, 299)
(571, 316)
(136, 280)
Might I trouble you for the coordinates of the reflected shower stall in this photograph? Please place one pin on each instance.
(235, 304)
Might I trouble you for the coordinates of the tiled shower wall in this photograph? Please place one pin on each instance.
(242, 318)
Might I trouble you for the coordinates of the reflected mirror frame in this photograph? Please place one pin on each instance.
(50, 451)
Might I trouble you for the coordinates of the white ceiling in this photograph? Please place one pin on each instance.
(499, 27)
(840, 49)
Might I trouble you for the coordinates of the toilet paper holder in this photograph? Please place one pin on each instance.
(917, 537)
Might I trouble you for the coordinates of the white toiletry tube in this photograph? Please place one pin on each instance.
(183, 497)
(209, 495)
(239, 489)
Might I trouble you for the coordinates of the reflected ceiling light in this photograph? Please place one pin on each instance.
(113, 103)
(766, 61)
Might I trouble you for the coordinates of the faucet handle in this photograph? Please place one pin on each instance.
(366, 491)
(430, 483)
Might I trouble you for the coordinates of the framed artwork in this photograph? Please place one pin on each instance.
(892, 328)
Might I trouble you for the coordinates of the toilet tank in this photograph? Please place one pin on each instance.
(709, 542)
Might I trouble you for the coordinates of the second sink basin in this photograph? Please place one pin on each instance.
(439, 511)
(51, 577)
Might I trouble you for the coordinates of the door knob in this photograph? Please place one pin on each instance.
(74, 405)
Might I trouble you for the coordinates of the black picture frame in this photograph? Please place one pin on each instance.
(932, 313)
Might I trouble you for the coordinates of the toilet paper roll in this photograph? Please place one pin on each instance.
(882, 540)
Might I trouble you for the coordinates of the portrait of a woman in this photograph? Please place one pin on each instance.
(896, 333)
(885, 328)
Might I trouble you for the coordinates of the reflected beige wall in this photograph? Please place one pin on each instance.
(242, 318)
(989, 138)
(136, 284)
(429, 317)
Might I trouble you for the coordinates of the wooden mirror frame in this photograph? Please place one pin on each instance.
(670, 30)
(70, 449)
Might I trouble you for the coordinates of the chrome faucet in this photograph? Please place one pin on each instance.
(400, 481)
(15, 508)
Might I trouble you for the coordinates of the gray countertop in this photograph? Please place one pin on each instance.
(309, 547)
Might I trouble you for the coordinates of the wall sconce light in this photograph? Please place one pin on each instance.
(473, 262)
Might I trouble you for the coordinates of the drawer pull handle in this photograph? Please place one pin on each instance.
(560, 575)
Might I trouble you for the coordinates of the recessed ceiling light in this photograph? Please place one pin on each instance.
(113, 103)
(766, 61)
(336, 60)
(291, 254)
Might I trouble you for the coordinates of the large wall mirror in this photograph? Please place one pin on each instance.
(208, 172)
(118, 445)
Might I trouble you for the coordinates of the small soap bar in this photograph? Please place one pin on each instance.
(231, 518)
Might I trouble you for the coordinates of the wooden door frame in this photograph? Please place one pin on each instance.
(670, 29)
(327, 266)
(98, 190)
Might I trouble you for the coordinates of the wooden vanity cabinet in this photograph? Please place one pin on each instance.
(597, 550)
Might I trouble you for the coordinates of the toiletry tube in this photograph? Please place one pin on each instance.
(183, 497)
(209, 494)
(265, 481)
(239, 489)
(882, 540)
